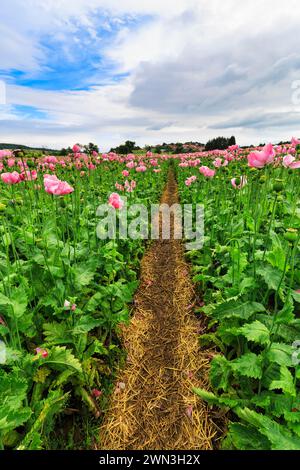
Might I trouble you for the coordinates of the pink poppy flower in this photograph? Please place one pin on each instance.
(207, 172)
(56, 187)
(30, 175)
(11, 178)
(50, 159)
(11, 162)
(69, 306)
(141, 168)
(5, 153)
(233, 147)
(115, 201)
(295, 141)
(289, 162)
(217, 162)
(125, 173)
(190, 180)
(76, 148)
(119, 187)
(258, 159)
(130, 165)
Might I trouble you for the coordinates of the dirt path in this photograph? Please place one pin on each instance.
(153, 407)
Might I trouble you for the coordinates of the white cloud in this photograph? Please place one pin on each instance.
(192, 65)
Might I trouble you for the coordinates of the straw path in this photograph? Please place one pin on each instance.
(153, 406)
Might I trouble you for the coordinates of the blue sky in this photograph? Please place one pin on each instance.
(74, 60)
(150, 71)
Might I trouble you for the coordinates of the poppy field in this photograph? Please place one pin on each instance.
(65, 294)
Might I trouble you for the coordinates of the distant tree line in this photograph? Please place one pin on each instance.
(4, 146)
(128, 147)
(175, 148)
(220, 143)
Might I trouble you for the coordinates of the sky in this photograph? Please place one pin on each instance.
(152, 71)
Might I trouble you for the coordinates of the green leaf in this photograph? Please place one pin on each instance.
(296, 296)
(210, 338)
(281, 354)
(56, 333)
(19, 301)
(62, 357)
(295, 427)
(286, 315)
(263, 400)
(248, 365)
(276, 257)
(271, 276)
(246, 283)
(256, 332)
(96, 348)
(278, 435)
(48, 408)
(272, 372)
(250, 223)
(4, 300)
(292, 416)
(212, 399)
(12, 418)
(84, 273)
(279, 403)
(285, 383)
(219, 373)
(13, 391)
(237, 309)
(62, 378)
(85, 324)
(247, 437)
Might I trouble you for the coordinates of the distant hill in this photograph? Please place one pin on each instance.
(24, 147)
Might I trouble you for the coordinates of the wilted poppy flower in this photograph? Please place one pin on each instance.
(96, 393)
(239, 183)
(42, 352)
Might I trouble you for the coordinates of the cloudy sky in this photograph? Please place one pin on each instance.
(148, 70)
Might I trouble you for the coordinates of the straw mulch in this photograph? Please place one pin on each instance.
(153, 406)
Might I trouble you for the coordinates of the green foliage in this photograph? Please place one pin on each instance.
(247, 274)
(63, 295)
